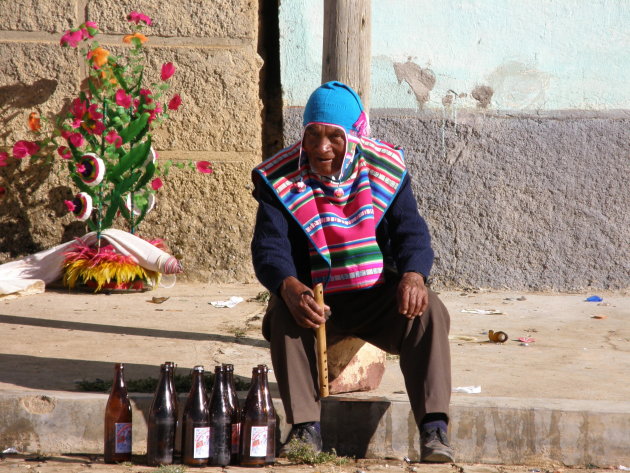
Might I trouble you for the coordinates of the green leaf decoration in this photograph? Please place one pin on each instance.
(126, 184)
(120, 78)
(111, 209)
(134, 129)
(148, 174)
(134, 158)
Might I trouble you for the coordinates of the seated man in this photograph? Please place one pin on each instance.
(337, 208)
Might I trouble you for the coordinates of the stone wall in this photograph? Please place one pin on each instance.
(518, 201)
(205, 220)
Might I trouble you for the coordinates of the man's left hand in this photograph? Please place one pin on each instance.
(413, 296)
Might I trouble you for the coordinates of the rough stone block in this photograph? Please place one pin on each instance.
(220, 108)
(188, 18)
(34, 77)
(52, 16)
(354, 365)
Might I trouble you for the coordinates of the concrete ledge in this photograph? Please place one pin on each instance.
(483, 430)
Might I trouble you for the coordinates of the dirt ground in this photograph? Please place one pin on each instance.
(580, 350)
(85, 464)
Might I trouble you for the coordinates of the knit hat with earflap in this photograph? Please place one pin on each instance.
(337, 104)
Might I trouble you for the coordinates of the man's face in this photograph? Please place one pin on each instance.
(325, 147)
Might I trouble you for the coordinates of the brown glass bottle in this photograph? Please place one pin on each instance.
(270, 458)
(220, 421)
(117, 436)
(161, 423)
(196, 423)
(254, 427)
(236, 413)
(177, 453)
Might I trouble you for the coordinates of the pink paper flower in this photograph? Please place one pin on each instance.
(114, 138)
(76, 140)
(175, 102)
(204, 167)
(93, 112)
(168, 69)
(156, 183)
(3, 158)
(137, 17)
(64, 152)
(155, 112)
(22, 149)
(71, 38)
(80, 168)
(70, 205)
(89, 29)
(96, 128)
(123, 99)
(79, 107)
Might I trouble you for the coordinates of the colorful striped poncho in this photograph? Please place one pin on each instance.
(341, 227)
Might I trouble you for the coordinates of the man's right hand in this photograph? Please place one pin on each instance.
(300, 300)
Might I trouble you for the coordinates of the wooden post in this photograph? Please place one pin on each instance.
(347, 45)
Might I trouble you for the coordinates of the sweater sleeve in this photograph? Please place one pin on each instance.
(409, 236)
(271, 246)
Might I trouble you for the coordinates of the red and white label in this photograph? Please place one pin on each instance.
(202, 442)
(123, 437)
(258, 444)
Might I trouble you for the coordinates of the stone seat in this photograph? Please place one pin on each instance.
(354, 365)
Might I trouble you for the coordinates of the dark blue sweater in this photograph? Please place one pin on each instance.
(280, 247)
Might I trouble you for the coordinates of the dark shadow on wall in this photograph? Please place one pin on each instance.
(20, 208)
(269, 77)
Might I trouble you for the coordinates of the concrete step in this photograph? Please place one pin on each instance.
(482, 430)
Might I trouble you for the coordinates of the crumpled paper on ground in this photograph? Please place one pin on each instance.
(482, 311)
(467, 389)
(231, 302)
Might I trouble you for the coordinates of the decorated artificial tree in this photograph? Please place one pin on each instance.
(106, 140)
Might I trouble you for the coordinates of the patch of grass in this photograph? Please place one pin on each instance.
(148, 385)
(262, 297)
(302, 453)
(171, 469)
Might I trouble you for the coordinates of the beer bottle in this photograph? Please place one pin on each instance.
(236, 413)
(220, 421)
(117, 436)
(254, 427)
(270, 458)
(177, 453)
(196, 423)
(161, 423)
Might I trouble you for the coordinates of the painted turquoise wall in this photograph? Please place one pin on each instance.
(532, 54)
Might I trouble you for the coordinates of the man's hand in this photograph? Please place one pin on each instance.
(413, 297)
(299, 298)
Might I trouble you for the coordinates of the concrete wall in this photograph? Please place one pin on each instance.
(514, 117)
(205, 220)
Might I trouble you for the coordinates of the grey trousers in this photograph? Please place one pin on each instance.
(371, 315)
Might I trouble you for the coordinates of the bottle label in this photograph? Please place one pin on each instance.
(123, 437)
(258, 445)
(236, 435)
(202, 442)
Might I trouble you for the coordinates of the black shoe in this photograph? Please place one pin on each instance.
(435, 447)
(307, 433)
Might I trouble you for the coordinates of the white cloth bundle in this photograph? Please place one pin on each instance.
(30, 274)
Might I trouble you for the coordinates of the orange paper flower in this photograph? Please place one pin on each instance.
(127, 38)
(34, 123)
(99, 56)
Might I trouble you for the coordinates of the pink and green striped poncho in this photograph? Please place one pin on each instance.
(341, 228)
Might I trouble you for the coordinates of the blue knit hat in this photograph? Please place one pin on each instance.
(337, 104)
